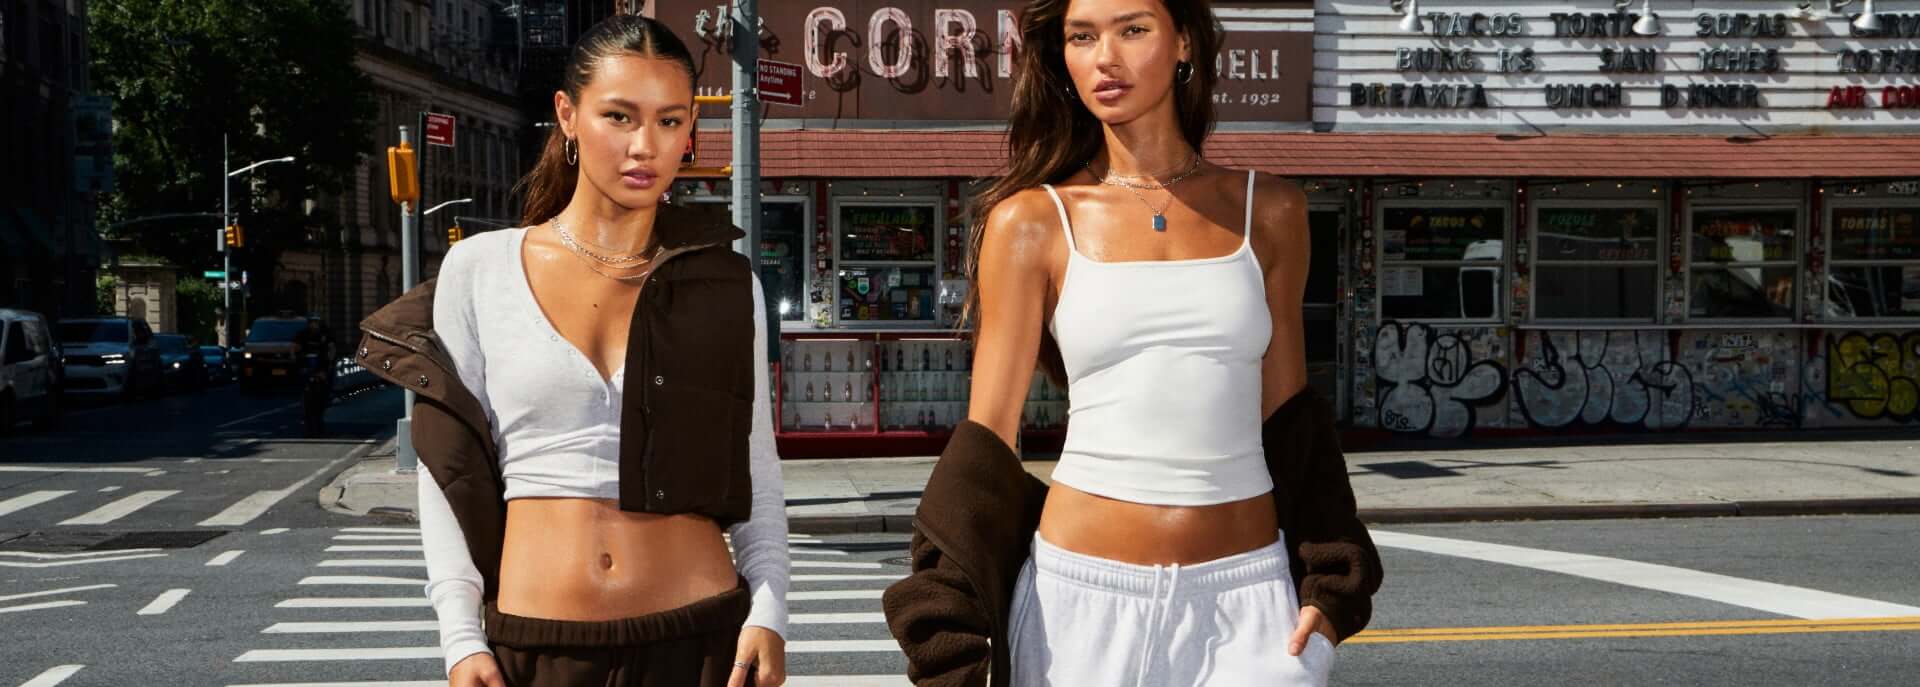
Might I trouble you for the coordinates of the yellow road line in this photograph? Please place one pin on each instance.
(1677, 629)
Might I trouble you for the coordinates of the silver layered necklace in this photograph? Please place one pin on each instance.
(621, 261)
(1130, 183)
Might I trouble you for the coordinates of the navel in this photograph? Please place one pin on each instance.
(606, 561)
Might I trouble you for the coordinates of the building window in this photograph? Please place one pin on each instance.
(1442, 261)
(1874, 261)
(888, 262)
(1596, 261)
(1742, 262)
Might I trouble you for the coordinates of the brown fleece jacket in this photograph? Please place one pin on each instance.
(975, 524)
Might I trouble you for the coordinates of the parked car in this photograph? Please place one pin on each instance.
(30, 370)
(111, 356)
(180, 363)
(219, 369)
(267, 360)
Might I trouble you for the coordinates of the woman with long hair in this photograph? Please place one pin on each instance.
(593, 410)
(1166, 290)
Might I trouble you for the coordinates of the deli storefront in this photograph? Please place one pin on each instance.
(1536, 224)
(866, 188)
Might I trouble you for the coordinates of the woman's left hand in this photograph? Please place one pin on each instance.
(1311, 620)
(762, 651)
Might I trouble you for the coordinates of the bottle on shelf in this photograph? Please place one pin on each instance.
(809, 392)
(806, 362)
(899, 357)
(850, 367)
(847, 389)
(949, 355)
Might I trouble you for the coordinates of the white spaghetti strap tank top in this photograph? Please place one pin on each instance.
(1163, 370)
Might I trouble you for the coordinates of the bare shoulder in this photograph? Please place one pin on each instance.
(1279, 219)
(1021, 229)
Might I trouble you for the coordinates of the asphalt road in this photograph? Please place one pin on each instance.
(179, 542)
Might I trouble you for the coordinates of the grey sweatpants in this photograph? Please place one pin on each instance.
(1081, 620)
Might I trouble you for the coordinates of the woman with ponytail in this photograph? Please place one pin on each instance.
(592, 415)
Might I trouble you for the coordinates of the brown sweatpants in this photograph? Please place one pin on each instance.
(690, 646)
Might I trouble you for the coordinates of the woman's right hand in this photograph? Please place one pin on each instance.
(477, 670)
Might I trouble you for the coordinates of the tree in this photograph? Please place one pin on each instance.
(277, 78)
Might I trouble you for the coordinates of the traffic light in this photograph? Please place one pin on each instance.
(233, 236)
(454, 234)
(403, 185)
(239, 235)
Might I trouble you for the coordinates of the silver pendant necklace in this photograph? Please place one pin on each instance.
(1159, 213)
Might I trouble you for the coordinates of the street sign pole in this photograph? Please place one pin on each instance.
(405, 460)
(746, 138)
(226, 252)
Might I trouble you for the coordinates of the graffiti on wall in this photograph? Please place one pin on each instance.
(1875, 376)
(1431, 381)
(1743, 378)
(1596, 378)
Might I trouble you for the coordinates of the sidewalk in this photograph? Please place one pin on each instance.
(1545, 483)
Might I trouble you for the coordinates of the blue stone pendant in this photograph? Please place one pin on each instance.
(1159, 222)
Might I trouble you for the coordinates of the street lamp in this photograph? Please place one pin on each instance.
(226, 220)
(436, 208)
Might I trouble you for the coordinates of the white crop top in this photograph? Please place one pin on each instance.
(558, 432)
(1163, 370)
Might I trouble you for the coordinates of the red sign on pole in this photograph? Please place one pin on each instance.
(779, 82)
(439, 130)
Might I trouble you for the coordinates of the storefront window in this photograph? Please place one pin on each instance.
(783, 265)
(783, 256)
(1743, 262)
(1596, 263)
(1442, 263)
(1875, 262)
(887, 270)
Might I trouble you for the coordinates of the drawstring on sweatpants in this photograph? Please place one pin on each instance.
(1162, 604)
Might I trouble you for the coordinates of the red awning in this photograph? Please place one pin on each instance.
(929, 154)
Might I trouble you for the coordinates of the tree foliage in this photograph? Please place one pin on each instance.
(277, 78)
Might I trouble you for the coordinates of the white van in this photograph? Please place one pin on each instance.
(30, 370)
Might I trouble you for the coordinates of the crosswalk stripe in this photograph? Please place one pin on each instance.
(29, 500)
(361, 579)
(224, 558)
(120, 508)
(810, 551)
(369, 548)
(1796, 602)
(52, 592)
(834, 595)
(848, 681)
(374, 563)
(373, 654)
(382, 530)
(367, 626)
(52, 676)
(855, 565)
(165, 602)
(357, 602)
(256, 504)
(845, 578)
(75, 555)
(836, 618)
(78, 561)
(826, 646)
(42, 606)
(377, 537)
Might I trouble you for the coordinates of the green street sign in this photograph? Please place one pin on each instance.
(215, 274)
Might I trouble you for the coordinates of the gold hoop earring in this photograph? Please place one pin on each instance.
(573, 152)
